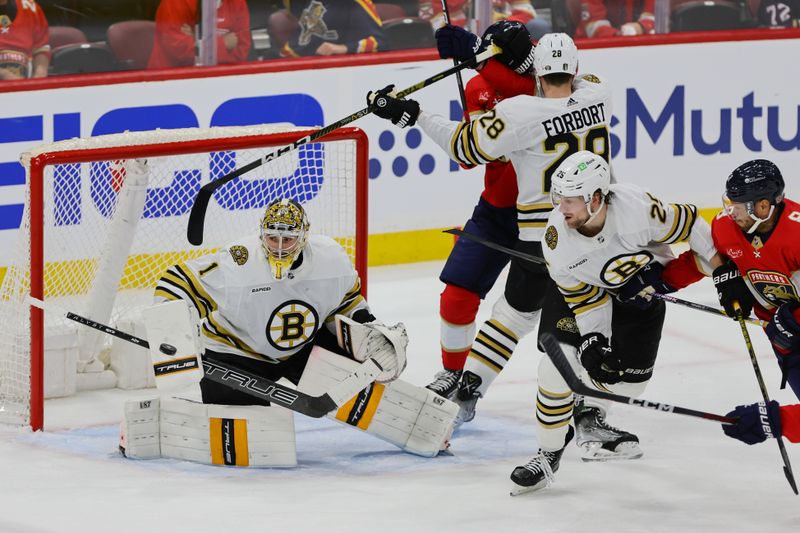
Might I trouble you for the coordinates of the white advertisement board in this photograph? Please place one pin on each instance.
(684, 116)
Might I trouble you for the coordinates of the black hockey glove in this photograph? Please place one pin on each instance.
(401, 112)
(750, 427)
(639, 289)
(514, 40)
(784, 330)
(599, 360)
(732, 288)
(458, 43)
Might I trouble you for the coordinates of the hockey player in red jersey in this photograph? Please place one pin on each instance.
(759, 232)
(472, 269)
(24, 48)
(759, 421)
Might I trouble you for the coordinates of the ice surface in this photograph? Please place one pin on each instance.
(692, 478)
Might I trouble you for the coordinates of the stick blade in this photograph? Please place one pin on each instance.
(197, 216)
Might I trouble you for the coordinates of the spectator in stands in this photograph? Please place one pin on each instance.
(779, 14)
(177, 24)
(24, 34)
(331, 27)
(609, 18)
(517, 10)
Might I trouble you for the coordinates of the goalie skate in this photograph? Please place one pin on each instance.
(601, 442)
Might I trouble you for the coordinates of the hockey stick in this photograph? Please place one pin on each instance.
(194, 231)
(559, 359)
(541, 261)
(248, 383)
(459, 81)
(787, 467)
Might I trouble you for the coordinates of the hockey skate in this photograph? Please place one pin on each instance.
(445, 383)
(600, 441)
(467, 397)
(539, 472)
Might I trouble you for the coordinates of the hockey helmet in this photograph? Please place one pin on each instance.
(750, 182)
(580, 174)
(516, 44)
(284, 233)
(555, 53)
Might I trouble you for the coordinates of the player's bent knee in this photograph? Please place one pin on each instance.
(458, 305)
(410, 417)
(518, 322)
(207, 433)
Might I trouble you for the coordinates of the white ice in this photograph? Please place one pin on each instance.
(70, 477)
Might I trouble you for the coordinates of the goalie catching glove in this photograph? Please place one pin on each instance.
(400, 111)
(373, 340)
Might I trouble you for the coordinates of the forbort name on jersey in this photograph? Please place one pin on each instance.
(575, 120)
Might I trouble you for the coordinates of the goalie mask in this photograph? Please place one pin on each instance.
(284, 232)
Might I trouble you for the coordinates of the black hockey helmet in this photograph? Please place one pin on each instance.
(515, 40)
(755, 180)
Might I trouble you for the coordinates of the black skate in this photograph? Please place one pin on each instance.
(445, 383)
(600, 441)
(539, 472)
(467, 397)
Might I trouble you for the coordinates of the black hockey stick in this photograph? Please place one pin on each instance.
(541, 261)
(251, 384)
(194, 231)
(559, 359)
(459, 81)
(787, 466)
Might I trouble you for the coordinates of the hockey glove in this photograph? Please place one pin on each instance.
(784, 331)
(639, 289)
(514, 39)
(401, 112)
(599, 360)
(757, 422)
(732, 288)
(458, 43)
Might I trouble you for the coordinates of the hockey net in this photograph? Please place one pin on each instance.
(95, 243)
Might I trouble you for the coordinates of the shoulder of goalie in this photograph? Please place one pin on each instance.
(412, 418)
(188, 430)
(386, 345)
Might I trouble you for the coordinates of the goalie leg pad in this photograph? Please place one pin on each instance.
(412, 418)
(209, 434)
(174, 342)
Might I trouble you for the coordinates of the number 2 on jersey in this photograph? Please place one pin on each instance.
(594, 140)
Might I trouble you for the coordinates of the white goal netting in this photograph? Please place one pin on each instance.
(106, 235)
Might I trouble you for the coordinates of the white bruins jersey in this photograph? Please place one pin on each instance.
(638, 229)
(245, 311)
(536, 134)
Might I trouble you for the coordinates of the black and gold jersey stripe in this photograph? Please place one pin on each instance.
(350, 301)
(179, 282)
(533, 215)
(684, 217)
(584, 297)
(465, 147)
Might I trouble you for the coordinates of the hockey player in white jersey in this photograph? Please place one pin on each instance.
(537, 133)
(284, 304)
(607, 248)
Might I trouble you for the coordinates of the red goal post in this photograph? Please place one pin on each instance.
(93, 243)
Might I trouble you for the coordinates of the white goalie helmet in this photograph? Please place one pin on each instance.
(581, 174)
(555, 53)
(284, 233)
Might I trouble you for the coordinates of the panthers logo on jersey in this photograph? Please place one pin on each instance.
(292, 324)
(775, 287)
(619, 269)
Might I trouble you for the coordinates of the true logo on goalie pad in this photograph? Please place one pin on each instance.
(292, 324)
(175, 366)
(269, 392)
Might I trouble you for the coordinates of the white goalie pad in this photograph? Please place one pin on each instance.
(384, 344)
(211, 434)
(175, 346)
(413, 418)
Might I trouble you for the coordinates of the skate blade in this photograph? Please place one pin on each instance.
(518, 490)
(625, 451)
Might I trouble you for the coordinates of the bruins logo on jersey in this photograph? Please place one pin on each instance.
(551, 237)
(775, 287)
(591, 78)
(292, 324)
(568, 324)
(619, 269)
(239, 254)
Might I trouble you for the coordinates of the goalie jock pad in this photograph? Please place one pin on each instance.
(413, 418)
(211, 434)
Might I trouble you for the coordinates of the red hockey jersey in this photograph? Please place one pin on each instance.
(23, 38)
(772, 268)
(790, 422)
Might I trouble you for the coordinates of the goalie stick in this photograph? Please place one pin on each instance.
(194, 231)
(541, 261)
(251, 384)
(787, 466)
(559, 359)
